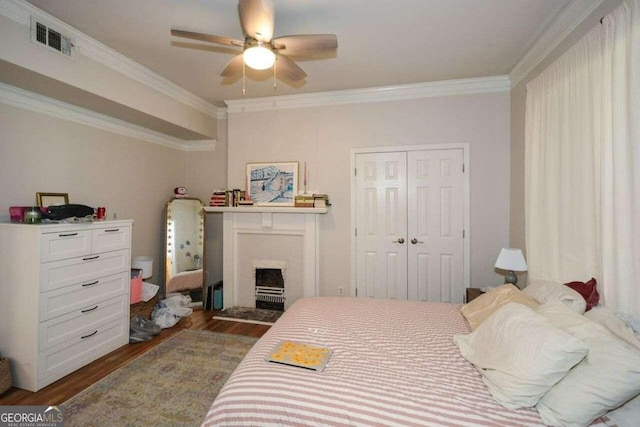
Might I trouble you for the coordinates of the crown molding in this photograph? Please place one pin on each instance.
(199, 145)
(380, 94)
(567, 21)
(13, 96)
(20, 11)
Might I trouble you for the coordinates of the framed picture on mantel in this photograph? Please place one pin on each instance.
(272, 184)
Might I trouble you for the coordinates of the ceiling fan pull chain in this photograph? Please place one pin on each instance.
(243, 90)
(275, 67)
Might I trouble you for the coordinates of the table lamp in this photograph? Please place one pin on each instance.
(511, 259)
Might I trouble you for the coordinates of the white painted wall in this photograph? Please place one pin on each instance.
(95, 80)
(132, 178)
(206, 171)
(323, 137)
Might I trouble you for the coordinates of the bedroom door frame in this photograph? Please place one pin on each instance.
(464, 146)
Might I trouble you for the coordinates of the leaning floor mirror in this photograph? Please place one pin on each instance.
(184, 250)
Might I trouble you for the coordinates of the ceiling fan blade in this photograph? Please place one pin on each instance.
(211, 38)
(288, 69)
(306, 43)
(257, 19)
(234, 67)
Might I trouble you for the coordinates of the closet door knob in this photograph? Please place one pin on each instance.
(414, 241)
(400, 240)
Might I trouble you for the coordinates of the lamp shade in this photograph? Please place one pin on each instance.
(511, 259)
(144, 263)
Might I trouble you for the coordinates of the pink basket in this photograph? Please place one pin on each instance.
(136, 290)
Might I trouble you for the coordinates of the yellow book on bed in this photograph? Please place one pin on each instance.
(300, 355)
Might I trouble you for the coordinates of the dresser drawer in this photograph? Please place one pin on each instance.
(81, 324)
(82, 270)
(76, 297)
(65, 244)
(110, 239)
(63, 359)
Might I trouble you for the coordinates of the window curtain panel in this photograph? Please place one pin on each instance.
(620, 263)
(582, 165)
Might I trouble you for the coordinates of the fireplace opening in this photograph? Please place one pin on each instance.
(270, 289)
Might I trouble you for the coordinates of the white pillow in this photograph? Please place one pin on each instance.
(478, 310)
(545, 291)
(607, 377)
(625, 416)
(520, 354)
(606, 317)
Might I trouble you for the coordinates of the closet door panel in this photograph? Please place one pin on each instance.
(381, 224)
(435, 225)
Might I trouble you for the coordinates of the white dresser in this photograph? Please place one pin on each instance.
(64, 296)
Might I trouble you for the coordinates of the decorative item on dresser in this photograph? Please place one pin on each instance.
(65, 296)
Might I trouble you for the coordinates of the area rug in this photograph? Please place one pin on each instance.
(249, 315)
(172, 384)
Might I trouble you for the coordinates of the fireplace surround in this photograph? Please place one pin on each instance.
(286, 234)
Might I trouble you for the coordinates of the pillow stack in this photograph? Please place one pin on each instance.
(573, 368)
(608, 376)
(506, 351)
(478, 310)
(544, 291)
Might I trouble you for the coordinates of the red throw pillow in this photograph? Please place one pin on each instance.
(588, 291)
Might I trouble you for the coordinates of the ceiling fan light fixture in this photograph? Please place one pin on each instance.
(258, 56)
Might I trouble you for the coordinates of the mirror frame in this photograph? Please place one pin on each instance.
(166, 249)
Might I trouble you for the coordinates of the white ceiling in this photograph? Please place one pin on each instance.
(380, 42)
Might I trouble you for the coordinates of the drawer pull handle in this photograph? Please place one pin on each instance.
(90, 335)
(90, 284)
(111, 230)
(91, 257)
(89, 309)
(67, 235)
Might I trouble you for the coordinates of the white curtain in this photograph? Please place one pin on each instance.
(621, 159)
(582, 166)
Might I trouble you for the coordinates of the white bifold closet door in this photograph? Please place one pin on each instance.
(409, 225)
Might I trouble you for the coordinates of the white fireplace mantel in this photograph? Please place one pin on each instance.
(257, 221)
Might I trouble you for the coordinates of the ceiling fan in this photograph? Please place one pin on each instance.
(260, 50)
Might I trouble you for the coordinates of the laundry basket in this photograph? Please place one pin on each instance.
(5, 375)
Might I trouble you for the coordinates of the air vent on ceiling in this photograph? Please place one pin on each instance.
(43, 34)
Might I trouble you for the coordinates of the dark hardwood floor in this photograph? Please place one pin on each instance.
(77, 381)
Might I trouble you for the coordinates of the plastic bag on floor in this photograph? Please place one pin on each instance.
(164, 317)
(178, 303)
(141, 329)
(169, 311)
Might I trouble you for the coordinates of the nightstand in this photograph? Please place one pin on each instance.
(473, 293)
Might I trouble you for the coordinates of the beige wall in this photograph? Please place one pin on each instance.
(516, 193)
(206, 171)
(324, 136)
(129, 177)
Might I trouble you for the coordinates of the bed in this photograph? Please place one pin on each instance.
(393, 363)
(185, 281)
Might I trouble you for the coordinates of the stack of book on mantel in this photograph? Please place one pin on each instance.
(219, 198)
(303, 201)
(321, 201)
(311, 201)
(229, 198)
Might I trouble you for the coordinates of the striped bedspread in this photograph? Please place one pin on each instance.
(393, 363)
